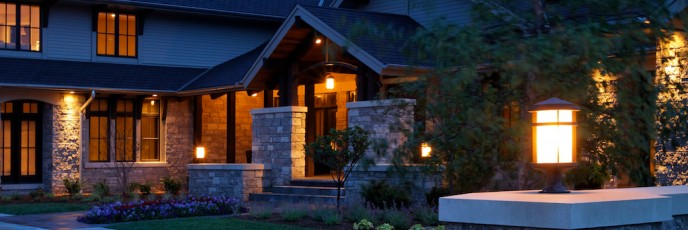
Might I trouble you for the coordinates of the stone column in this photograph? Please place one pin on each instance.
(62, 143)
(386, 120)
(279, 135)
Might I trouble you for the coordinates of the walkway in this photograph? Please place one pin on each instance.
(63, 220)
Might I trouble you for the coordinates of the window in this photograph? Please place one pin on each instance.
(124, 130)
(116, 34)
(20, 27)
(150, 131)
(98, 131)
(130, 119)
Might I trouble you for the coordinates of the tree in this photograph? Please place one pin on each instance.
(487, 73)
(340, 150)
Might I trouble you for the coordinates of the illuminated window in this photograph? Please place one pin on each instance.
(20, 26)
(98, 131)
(124, 131)
(150, 130)
(116, 34)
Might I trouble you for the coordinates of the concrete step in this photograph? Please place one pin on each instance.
(313, 182)
(294, 198)
(306, 190)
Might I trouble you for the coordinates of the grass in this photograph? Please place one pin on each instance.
(201, 223)
(37, 208)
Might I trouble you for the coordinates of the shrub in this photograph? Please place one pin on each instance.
(294, 214)
(145, 189)
(261, 212)
(382, 195)
(73, 186)
(399, 218)
(425, 215)
(37, 194)
(132, 187)
(331, 218)
(172, 186)
(101, 189)
(160, 209)
(433, 197)
(357, 211)
(364, 224)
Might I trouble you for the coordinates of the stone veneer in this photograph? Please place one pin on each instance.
(418, 182)
(61, 143)
(177, 135)
(232, 180)
(386, 120)
(279, 135)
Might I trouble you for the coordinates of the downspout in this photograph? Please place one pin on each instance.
(81, 142)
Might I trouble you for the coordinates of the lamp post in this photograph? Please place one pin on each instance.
(554, 140)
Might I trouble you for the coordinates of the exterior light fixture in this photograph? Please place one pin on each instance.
(200, 152)
(318, 40)
(329, 82)
(254, 94)
(425, 150)
(68, 98)
(554, 140)
(155, 95)
(152, 102)
(71, 92)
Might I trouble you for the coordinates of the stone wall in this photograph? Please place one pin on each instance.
(244, 105)
(61, 125)
(386, 120)
(214, 128)
(233, 180)
(413, 180)
(279, 135)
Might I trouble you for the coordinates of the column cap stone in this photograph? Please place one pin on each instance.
(283, 109)
(380, 103)
(220, 166)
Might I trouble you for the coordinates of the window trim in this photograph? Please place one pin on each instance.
(18, 26)
(116, 34)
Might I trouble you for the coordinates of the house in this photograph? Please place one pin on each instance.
(89, 84)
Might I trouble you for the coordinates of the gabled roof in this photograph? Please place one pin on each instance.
(40, 73)
(258, 8)
(379, 46)
(226, 74)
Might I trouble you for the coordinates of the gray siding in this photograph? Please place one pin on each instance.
(189, 41)
(68, 35)
(169, 39)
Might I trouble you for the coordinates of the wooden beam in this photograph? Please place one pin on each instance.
(198, 121)
(231, 127)
(310, 123)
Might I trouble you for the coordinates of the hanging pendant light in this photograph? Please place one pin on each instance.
(329, 82)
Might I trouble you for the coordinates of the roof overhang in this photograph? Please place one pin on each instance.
(250, 81)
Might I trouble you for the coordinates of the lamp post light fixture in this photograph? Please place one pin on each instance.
(554, 141)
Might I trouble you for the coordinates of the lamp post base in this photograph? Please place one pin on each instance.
(554, 173)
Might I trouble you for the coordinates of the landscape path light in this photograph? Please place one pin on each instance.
(554, 141)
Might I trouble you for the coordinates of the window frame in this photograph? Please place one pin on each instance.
(116, 34)
(100, 114)
(113, 115)
(18, 26)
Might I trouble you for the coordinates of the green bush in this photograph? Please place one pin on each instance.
(294, 214)
(399, 218)
(101, 190)
(37, 194)
(331, 218)
(357, 211)
(261, 212)
(382, 195)
(172, 186)
(425, 215)
(145, 189)
(73, 186)
(433, 197)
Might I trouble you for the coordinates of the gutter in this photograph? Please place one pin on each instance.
(81, 123)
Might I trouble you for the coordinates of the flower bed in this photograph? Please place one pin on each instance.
(161, 209)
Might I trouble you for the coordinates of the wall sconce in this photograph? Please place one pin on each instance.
(425, 150)
(200, 152)
(329, 82)
(554, 141)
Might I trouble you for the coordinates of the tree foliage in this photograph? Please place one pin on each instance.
(340, 150)
(593, 53)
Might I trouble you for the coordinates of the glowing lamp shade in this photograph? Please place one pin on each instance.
(329, 82)
(425, 150)
(554, 136)
(200, 152)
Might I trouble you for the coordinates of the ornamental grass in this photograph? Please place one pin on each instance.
(161, 209)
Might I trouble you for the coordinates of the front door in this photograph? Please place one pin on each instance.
(20, 141)
(325, 119)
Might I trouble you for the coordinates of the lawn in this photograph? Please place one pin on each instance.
(211, 222)
(36, 208)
